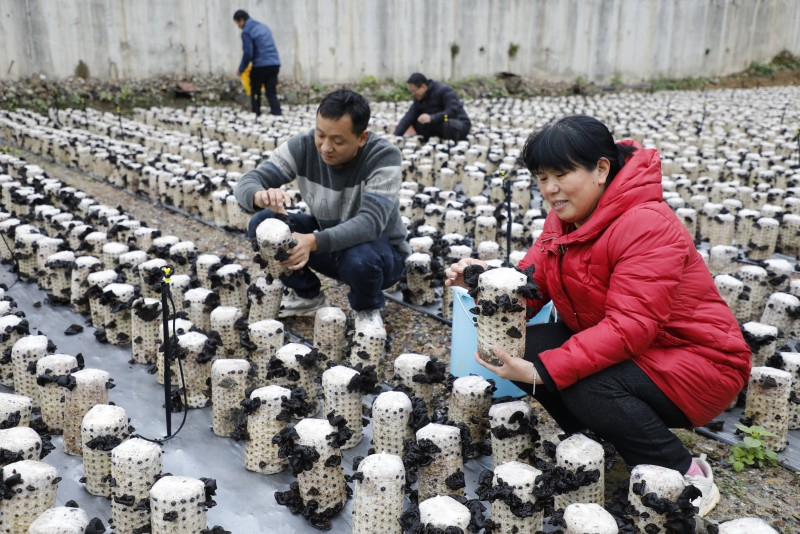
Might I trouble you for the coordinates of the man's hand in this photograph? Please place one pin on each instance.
(306, 244)
(424, 118)
(455, 273)
(274, 199)
(516, 369)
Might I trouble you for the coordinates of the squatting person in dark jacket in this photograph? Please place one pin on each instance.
(436, 112)
(645, 342)
(258, 48)
(350, 178)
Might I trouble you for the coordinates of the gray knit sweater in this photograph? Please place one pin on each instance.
(354, 204)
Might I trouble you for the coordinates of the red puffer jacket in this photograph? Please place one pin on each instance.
(631, 284)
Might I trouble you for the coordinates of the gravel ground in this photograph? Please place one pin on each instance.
(770, 493)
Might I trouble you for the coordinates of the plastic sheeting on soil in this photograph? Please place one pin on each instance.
(245, 501)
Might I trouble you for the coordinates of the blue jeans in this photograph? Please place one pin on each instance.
(368, 268)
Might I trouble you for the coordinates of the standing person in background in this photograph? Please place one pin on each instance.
(258, 48)
(436, 111)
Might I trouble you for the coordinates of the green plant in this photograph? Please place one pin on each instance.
(616, 80)
(513, 48)
(752, 452)
(454, 50)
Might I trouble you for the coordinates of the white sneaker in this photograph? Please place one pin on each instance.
(365, 317)
(709, 491)
(293, 305)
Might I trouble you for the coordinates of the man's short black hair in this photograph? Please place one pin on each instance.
(241, 14)
(418, 79)
(342, 102)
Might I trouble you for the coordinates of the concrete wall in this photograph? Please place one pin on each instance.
(345, 40)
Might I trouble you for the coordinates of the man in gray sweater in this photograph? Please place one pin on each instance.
(350, 179)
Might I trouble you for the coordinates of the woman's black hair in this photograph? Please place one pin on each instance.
(345, 101)
(572, 142)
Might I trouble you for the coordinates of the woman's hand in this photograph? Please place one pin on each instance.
(516, 369)
(455, 273)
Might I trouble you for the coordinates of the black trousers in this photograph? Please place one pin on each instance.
(268, 78)
(455, 129)
(621, 404)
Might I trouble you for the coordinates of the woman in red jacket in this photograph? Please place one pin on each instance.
(645, 342)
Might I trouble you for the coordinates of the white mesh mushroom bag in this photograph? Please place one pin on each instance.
(58, 269)
(789, 234)
(135, 467)
(589, 518)
(90, 387)
(730, 289)
(324, 482)
(45, 248)
(455, 222)
(688, 216)
(665, 483)
(111, 253)
(49, 370)
(19, 443)
(12, 329)
(378, 494)
(722, 259)
(501, 322)
(469, 403)
(446, 463)
(232, 282)
(263, 424)
(267, 336)
(368, 346)
(176, 327)
(767, 404)
(406, 366)
(418, 277)
(522, 478)
(265, 299)
(145, 329)
(781, 311)
(34, 492)
(511, 425)
(779, 272)
(228, 382)
(574, 453)
(198, 303)
(24, 254)
(290, 368)
(150, 275)
(144, 237)
(196, 355)
(485, 229)
(179, 284)
(764, 239)
(441, 512)
(177, 505)
(15, 410)
(721, 229)
(103, 428)
(223, 319)
(117, 298)
(274, 239)
(330, 333)
(391, 416)
(95, 283)
(93, 243)
(183, 255)
(790, 362)
(205, 264)
(24, 355)
(343, 399)
(60, 520)
(83, 267)
(763, 341)
(754, 279)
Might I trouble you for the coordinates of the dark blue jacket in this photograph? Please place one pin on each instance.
(439, 100)
(258, 46)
